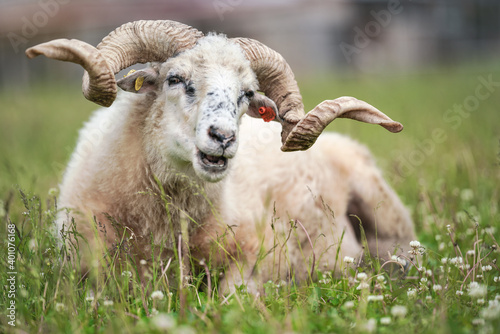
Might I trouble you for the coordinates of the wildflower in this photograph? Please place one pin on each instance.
(363, 284)
(143, 262)
(411, 293)
(477, 290)
(89, 298)
(444, 260)
(448, 227)
(486, 268)
(416, 248)
(53, 192)
(348, 259)
(437, 287)
(479, 276)
(460, 293)
(478, 322)
(428, 298)
(480, 301)
(496, 279)
(441, 246)
(385, 320)
(60, 307)
(428, 272)
(466, 195)
(371, 325)
(381, 279)
(399, 260)
(492, 311)
(157, 295)
(107, 302)
(437, 237)
(349, 304)
(423, 281)
(456, 260)
(471, 252)
(154, 312)
(375, 298)
(126, 273)
(164, 321)
(490, 230)
(362, 276)
(398, 311)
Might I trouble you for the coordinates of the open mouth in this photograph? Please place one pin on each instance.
(212, 163)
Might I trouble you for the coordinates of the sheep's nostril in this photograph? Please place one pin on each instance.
(225, 138)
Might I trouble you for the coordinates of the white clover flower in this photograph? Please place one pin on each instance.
(471, 252)
(381, 278)
(424, 280)
(154, 312)
(460, 293)
(412, 293)
(486, 268)
(127, 273)
(363, 285)
(362, 276)
(496, 279)
(348, 259)
(467, 195)
(428, 272)
(143, 262)
(398, 311)
(437, 287)
(478, 322)
(429, 298)
(415, 244)
(157, 295)
(349, 304)
(490, 230)
(164, 322)
(375, 298)
(89, 298)
(60, 307)
(107, 302)
(456, 260)
(53, 192)
(371, 325)
(491, 312)
(441, 246)
(444, 260)
(477, 290)
(385, 320)
(480, 301)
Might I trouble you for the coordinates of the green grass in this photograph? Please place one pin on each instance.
(449, 181)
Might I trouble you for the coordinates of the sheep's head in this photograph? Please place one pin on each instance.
(211, 81)
(200, 96)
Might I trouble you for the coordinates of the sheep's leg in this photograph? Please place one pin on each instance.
(385, 221)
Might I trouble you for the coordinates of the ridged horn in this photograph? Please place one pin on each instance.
(305, 133)
(132, 43)
(276, 80)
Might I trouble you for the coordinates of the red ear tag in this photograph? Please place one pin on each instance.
(267, 114)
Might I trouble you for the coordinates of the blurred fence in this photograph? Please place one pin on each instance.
(313, 35)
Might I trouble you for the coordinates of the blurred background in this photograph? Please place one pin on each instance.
(315, 36)
(422, 62)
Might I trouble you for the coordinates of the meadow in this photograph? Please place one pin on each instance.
(445, 166)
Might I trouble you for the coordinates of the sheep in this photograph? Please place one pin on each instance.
(188, 157)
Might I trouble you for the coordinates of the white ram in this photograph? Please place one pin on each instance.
(181, 150)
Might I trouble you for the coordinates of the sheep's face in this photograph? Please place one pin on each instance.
(201, 95)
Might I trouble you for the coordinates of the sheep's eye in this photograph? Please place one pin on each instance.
(174, 80)
(249, 94)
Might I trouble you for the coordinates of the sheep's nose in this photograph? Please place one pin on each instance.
(224, 137)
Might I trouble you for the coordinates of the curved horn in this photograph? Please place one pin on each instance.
(305, 133)
(276, 80)
(132, 43)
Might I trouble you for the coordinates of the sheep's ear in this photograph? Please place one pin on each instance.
(263, 107)
(141, 81)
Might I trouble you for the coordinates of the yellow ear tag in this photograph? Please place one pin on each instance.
(129, 73)
(138, 83)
